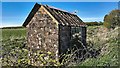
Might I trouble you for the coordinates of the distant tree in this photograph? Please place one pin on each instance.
(94, 23)
(112, 19)
(100, 23)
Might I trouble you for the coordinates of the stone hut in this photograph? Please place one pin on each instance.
(51, 29)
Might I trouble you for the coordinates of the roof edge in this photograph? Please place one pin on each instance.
(31, 14)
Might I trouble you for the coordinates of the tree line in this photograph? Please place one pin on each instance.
(94, 23)
(111, 20)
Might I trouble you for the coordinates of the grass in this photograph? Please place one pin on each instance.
(13, 33)
(13, 41)
(109, 47)
(109, 58)
(14, 51)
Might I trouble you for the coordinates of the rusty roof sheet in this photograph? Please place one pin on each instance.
(63, 17)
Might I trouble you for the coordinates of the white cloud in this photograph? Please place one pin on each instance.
(9, 25)
(92, 19)
(11, 21)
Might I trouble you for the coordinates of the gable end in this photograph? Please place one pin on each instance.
(30, 16)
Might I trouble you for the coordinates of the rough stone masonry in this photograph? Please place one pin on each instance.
(50, 29)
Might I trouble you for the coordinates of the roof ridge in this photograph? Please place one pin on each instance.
(59, 9)
(63, 17)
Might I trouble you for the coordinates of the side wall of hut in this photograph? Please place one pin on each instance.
(83, 35)
(42, 33)
(64, 38)
(66, 34)
(81, 30)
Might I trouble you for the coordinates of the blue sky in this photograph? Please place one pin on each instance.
(15, 13)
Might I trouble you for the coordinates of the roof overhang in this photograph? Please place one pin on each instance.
(54, 13)
(31, 14)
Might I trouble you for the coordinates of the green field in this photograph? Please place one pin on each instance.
(108, 42)
(13, 33)
(15, 52)
(13, 41)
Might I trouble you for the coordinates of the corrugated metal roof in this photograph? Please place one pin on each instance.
(63, 17)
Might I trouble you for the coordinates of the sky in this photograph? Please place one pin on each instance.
(60, 0)
(15, 13)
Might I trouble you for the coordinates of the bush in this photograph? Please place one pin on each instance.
(107, 25)
(112, 19)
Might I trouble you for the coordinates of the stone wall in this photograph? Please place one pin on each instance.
(64, 38)
(45, 35)
(83, 35)
(42, 33)
(66, 33)
(81, 30)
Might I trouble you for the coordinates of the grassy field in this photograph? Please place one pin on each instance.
(13, 33)
(14, 51)
(107, 41)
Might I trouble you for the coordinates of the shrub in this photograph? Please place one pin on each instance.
(112, 19)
